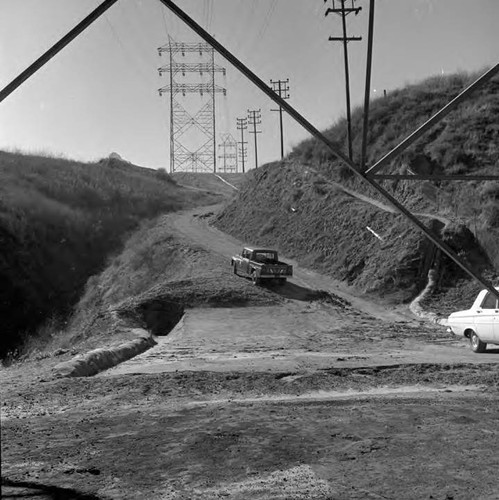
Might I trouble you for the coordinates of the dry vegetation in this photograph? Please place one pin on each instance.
(60, 221)
(293, 205)
(466, 141)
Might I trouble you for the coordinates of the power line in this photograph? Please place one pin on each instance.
(127, 53)
(268, 18)
(164, 19)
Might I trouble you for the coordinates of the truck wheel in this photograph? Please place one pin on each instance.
(235, 270)
(255, 279)
(476, 344)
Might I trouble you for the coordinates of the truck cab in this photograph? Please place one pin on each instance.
(260, 265)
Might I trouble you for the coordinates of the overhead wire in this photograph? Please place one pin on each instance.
(268, 18)
(210, 19)
(205, 12)
(252, 18)
(163, 12)
(128, 54)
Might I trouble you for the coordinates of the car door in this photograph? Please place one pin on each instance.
(495, 332)
(244, 261)
(486, 317)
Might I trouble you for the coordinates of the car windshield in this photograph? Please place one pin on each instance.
(265, 256)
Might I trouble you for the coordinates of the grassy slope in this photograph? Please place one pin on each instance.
(327, 230)
(466, 141)
(59, 222)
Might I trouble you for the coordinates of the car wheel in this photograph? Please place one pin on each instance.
(476, 344)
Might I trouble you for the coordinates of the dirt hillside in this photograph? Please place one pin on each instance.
(296, 209)
(313, 208)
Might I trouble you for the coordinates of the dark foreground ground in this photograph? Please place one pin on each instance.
(403, 432)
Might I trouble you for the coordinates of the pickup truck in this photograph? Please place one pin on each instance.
(261, 265)
(480, 324)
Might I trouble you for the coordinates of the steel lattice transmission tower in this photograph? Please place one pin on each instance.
(228, 146)
(192, 133)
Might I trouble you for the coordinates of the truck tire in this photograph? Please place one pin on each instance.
(235, 269)
(476, 344)
(256, 280)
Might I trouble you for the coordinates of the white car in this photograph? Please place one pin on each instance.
(480, 324)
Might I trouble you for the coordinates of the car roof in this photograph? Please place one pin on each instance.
(251, 249)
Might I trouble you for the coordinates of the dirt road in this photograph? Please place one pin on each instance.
(326, 396)
(194, 226)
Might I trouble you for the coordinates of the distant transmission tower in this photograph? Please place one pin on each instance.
(281, 88)
(228, 146)
(254, 119)
(343, 11)
(242, 125)
(192, 133)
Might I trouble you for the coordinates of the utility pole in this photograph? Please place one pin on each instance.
(242, 125)
(255, 118)
(343, 11)
(281, 88)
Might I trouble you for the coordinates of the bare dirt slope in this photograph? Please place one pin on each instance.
(308, 392)
(344, 233)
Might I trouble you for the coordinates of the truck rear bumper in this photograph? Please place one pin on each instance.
(274, 276)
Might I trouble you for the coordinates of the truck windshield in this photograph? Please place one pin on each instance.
(265, 256)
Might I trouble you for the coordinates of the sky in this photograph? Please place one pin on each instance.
(100, 94)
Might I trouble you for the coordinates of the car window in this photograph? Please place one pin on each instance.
(265, 257)
(489, 302)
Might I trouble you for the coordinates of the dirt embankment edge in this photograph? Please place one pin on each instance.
(101, 359)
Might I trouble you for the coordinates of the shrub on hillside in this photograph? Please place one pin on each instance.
(59, 221)
(162, 175)
(491, 214)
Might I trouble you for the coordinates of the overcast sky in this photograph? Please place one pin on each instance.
(99, 94)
